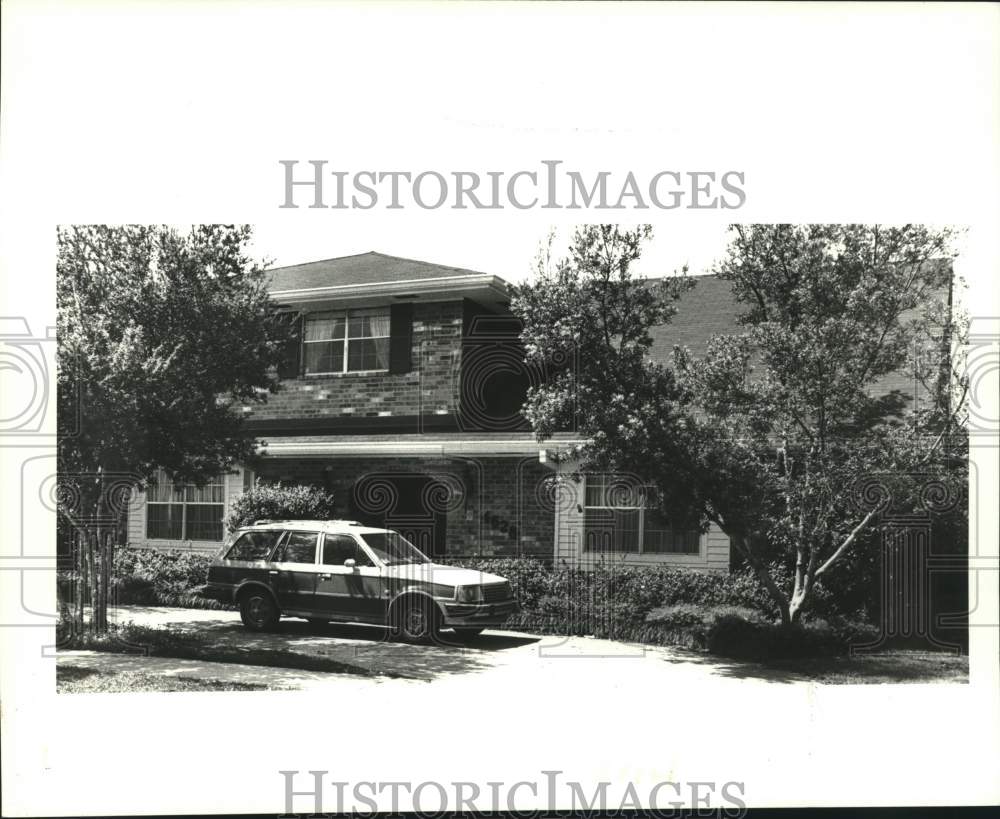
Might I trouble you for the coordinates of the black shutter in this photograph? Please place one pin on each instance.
(400, 338)
(291, 359)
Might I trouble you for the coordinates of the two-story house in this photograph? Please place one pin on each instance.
(401, 392)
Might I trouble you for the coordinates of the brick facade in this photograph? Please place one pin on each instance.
(430, 388)
(477, 505)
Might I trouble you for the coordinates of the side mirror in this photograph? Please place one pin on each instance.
(351, 563)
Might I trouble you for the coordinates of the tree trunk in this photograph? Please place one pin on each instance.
(88, 573)
(99, 601)
(109, 538)
(806, 558)
(99, 560)
(78, 584)
(764, 576)
(795, 609)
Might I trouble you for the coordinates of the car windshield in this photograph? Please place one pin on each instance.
(393, 549)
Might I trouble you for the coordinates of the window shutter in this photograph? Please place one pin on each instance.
(400, 338)
(291, 360)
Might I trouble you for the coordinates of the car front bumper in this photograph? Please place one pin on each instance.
(478, 615)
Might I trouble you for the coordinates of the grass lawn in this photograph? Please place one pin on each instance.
(73, 680)
(183, 645)
(889, 667)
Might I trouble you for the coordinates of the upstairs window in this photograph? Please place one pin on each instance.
(347, 341)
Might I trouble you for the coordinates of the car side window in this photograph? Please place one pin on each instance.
(338, 548)
(253, 546)
(299, 547)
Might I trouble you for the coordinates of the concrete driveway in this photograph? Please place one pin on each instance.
(507, 658)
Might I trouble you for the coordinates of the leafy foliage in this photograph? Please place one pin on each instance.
(785, 434)
(793, 407)
(160, 336)
(587, 321)
(277, 502)
(738, 632)
(165, 578)
(580, 600)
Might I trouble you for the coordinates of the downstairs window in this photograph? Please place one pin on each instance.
(177, 511)
(620, 517)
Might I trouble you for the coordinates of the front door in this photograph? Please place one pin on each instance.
(349, 592)
(411, 506)
(294, 570)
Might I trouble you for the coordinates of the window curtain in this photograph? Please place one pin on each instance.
(379, 325)
(324, 326)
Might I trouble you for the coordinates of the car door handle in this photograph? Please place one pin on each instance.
(273, 571)
(325, 576)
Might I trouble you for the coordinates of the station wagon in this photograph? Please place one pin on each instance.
(343, 571)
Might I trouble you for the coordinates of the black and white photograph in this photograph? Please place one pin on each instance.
(448, 436)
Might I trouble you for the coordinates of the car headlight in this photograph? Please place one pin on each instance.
(470, 594)
(447, 592)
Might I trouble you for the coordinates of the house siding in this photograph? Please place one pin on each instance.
(713, 545)
(136, 525)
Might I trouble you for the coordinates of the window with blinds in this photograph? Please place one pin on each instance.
(620, 517)
(176, 511)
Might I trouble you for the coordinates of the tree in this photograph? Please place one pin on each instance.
(160, 336)
(586, 321)
(795, 404)
(781, 434)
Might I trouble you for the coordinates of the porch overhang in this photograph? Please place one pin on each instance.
(417, 446)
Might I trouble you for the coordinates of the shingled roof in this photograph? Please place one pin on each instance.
(707, 309)
(359, 269)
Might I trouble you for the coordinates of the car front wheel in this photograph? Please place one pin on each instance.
(258, 611)
(416, 620)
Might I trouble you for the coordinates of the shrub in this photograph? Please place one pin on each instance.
(729, 614)
(696, 625)
(166, 578)
(746, 634)
(277, 502)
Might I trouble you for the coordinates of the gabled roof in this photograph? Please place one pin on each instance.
(360, 269)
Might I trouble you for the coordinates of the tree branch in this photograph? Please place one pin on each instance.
(846, 544)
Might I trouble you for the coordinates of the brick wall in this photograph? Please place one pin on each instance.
(430, 388)
(487, 506)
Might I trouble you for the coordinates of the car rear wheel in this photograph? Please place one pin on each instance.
(415, 620)
(258, 611)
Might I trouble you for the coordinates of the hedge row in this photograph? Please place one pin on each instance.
(637, 590)
(727, 614)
